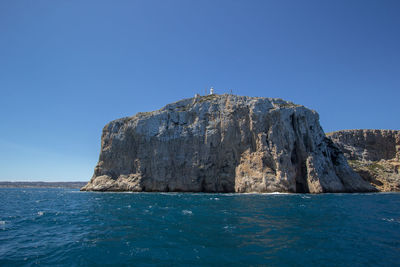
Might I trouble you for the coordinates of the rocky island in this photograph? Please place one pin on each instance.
(223, 143)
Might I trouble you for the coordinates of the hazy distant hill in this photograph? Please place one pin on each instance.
(42, 184)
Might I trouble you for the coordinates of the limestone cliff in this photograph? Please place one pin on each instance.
(374, 154)
(223, 143)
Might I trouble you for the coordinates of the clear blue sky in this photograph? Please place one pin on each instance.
(69, 67)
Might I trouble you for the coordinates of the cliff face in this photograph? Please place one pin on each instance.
(374, 154)
(223, 143)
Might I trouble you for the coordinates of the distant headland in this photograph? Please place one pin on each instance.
(42, 184)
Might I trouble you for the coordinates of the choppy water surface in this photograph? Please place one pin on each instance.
(68, 227)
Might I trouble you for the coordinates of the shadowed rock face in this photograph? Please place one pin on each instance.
(223, 143)
(368, 145)
(374, 154)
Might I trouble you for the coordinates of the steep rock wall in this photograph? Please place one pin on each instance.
(223, 143)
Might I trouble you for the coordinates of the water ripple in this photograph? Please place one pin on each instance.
(67, 227)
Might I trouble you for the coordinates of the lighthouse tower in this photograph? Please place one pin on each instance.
(212, 91)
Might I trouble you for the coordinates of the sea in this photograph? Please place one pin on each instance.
(66, 227)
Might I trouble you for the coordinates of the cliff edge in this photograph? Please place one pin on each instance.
(374, 154)
(223, 143)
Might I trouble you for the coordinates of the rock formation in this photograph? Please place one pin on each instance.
(223, 143)
(374, 154)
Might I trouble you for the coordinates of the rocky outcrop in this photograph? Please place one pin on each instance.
(223, 143)
(368, 145)
(374, 154)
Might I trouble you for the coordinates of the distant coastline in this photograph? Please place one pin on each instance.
(42, 184)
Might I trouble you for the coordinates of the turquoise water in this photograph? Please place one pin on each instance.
(67, 227)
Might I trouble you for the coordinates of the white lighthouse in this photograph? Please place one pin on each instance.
(211, 90)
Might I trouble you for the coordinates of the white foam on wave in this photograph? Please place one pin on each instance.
(138, 250)
(187, 212)
(2, 222)
(266, 193)
(228, 228)
(76, 191)
(40, 213)
(277, 193)
(169, 193)
(391, 220)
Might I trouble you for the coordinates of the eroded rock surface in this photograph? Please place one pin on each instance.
(223, 143)
(374, 154)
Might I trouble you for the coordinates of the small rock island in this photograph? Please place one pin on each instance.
(223, 143)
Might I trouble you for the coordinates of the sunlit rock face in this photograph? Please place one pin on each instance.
(374, 154)
(223, 143)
